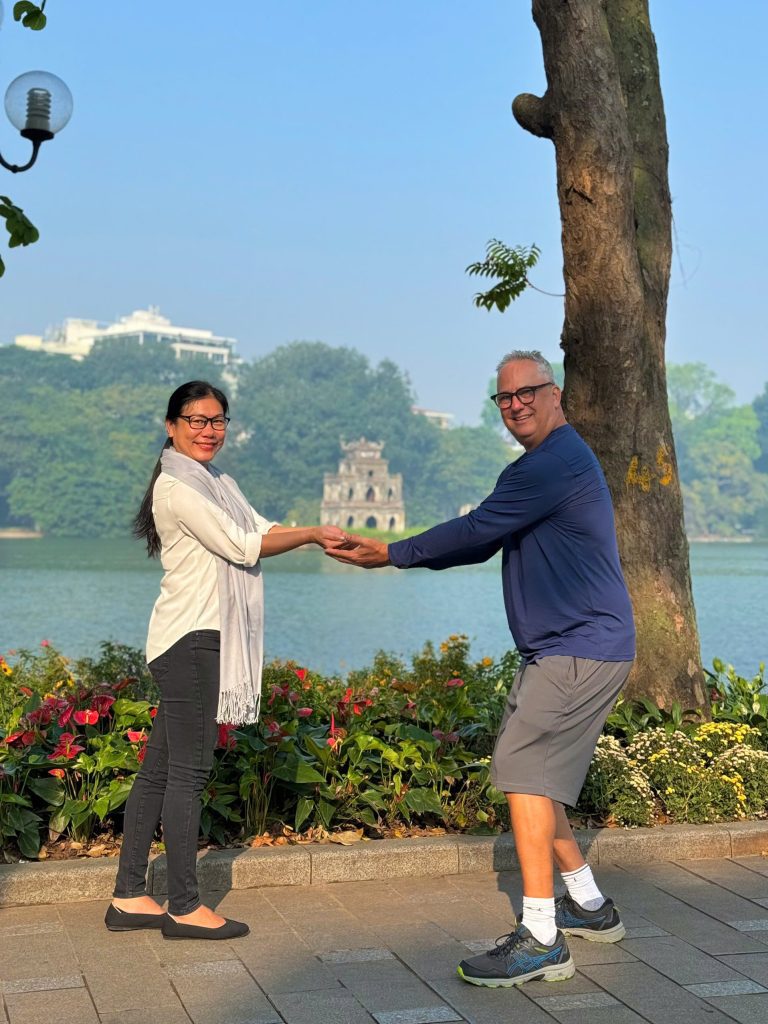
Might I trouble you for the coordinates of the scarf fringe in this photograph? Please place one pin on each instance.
(237, 709)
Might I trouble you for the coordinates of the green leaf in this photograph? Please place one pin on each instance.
(304, 807)
(51, 790)
(29, 842)
(423, 801)
(298, 771)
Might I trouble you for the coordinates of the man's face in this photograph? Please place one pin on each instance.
(529, 424)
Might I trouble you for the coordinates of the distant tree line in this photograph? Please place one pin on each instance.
(82, 437)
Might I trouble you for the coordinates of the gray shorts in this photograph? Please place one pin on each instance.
(555, 713)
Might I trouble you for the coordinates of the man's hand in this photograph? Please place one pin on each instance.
(363, 551)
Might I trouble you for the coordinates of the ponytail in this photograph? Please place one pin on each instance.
(144, 523)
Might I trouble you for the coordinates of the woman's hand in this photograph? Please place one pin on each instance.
(329, 536)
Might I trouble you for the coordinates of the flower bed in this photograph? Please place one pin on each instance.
(389, 750)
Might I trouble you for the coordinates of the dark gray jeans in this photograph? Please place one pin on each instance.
(176, 767)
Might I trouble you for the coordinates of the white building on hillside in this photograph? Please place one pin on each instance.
(76, 338)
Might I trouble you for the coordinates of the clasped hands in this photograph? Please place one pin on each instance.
(352, 549)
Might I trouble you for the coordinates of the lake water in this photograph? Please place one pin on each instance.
(330, 617)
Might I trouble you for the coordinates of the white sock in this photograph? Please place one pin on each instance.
(539, 919)
(582, 888)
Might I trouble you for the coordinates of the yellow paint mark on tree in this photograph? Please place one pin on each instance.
(664, 466)
(639, 474)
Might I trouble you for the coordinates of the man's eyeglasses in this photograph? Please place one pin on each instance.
(199, 422)
(524, 395)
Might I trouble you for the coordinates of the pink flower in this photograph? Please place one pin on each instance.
(136, 736)
(45, 643)
(304, 712)
(301, 674)
(455, 682)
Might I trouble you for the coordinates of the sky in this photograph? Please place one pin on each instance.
(326, 170)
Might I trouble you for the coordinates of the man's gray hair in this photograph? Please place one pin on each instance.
(534, 356)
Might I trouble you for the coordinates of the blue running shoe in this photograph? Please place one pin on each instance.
(517, 958)
(601, 925)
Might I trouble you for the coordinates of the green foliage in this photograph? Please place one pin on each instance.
(20, 228)
(718, 448)
(509, 263)
(31, 15)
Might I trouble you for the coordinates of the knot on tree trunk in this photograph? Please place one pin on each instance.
(532, 113)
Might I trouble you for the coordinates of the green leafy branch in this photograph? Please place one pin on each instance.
(509, 263)
(20, 228)
(30, 15)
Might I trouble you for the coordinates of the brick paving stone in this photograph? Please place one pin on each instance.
(41, 928)
(616, 1013)
(299, 972)
(321, 1008)
(584, 1001)
(585, 952)
(222, 993)
(69, 1005)
(755, 863)
(680, 961)
(116, 990)
(747, 1009)
(732, 876)
(490, 1005)
(418, 1015)
(351, 956)
(675, 916)
(653, 996)
(759, 924)
(683, 884)
(35, 956)
(149, 1015)
(44, 984)
(725, 988)
(644, 932)
(751, 965)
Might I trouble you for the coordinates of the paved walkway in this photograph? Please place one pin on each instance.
(696, 952)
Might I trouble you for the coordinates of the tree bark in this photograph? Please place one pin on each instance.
(603, 109)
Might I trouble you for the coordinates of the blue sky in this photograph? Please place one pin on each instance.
(326, 170)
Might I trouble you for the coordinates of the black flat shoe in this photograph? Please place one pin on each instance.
(176, 930)
(122, 921)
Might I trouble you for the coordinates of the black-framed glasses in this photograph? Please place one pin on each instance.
(524, 395)
(200, 422)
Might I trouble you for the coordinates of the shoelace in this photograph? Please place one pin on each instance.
(505, 944)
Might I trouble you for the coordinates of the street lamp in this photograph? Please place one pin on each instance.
(39, 105)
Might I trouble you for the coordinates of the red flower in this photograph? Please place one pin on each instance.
(226, 739)
(45, 643)
(455, 682)
(13, 736)
(136, 736)
(141, 753)
(58, 772)
(86, 717)
(25, 690)
(152, 712)
(65, 748)
(301, 674)
(101, 704)
(40, 716)
(123, 683)
(304, 712)
(66, 714)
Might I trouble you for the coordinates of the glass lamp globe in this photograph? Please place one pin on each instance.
(39, 104)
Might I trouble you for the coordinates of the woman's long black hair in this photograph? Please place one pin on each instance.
(144, 523)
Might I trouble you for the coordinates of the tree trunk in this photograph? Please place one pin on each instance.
(603, 110)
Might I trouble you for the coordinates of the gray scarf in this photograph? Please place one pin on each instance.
(241, 594)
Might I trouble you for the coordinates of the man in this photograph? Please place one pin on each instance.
(571, 618)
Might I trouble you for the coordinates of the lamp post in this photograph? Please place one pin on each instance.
(39, 105)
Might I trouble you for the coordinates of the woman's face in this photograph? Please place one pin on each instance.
(200, 444)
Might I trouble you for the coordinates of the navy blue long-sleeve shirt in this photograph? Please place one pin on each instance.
(552, 516)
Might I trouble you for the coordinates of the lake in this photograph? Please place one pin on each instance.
(330, 617)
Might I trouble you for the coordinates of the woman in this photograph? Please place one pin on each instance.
(204, 651)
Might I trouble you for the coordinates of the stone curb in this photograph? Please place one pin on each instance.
(25, 884)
